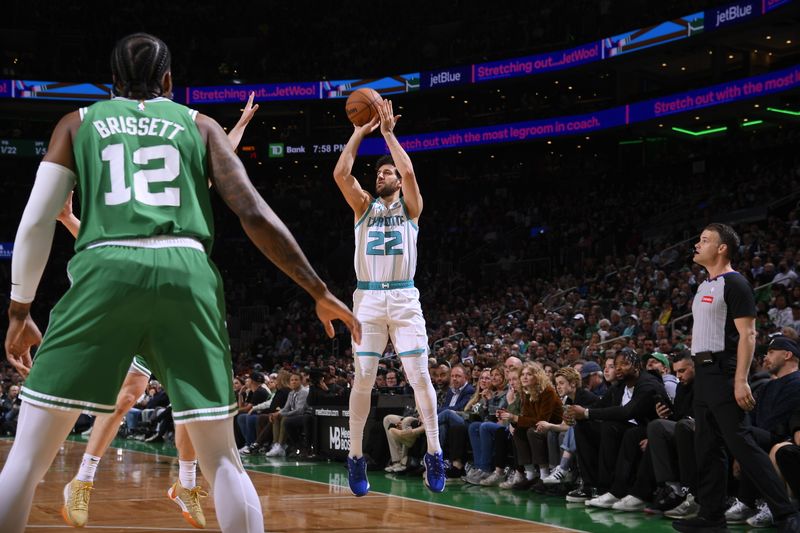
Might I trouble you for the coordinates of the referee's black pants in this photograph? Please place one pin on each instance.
(720, 422)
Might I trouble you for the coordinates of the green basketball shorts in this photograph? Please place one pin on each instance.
(165, 304)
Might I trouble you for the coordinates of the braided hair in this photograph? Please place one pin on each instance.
(138, 63)
(632, 357)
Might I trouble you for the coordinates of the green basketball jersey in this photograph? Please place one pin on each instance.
(141, 170)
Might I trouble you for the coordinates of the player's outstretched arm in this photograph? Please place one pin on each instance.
(54, 180)
(265, 229)
(356, 197)
(235, 135)
(411, 194)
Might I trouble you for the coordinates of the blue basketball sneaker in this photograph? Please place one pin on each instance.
(357, 475)
(434, 476)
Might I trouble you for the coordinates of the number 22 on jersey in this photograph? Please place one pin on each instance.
(121, 192)
(385, 243)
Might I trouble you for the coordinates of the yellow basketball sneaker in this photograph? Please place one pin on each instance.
(189, 502)
(76, 502)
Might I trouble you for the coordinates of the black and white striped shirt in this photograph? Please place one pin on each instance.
(717, 303)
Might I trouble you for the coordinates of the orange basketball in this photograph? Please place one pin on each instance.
(361, 106)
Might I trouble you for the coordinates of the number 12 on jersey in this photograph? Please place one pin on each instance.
(391, 241)
(121, 193)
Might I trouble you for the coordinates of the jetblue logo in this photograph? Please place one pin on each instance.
(734, 13)
(446, 78)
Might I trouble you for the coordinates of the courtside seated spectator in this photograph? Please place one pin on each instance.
(608, 434)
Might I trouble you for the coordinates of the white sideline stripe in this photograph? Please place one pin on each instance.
(494, 515)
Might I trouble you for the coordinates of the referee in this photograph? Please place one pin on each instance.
(723, 341)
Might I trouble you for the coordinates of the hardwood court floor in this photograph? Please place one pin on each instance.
(131, 484)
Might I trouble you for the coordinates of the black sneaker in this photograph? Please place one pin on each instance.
(525, 484)
(538, 485)
(581, 494)
(701, 525)
(154, 438)
(664, 500)
(454, 472)
(559, 490)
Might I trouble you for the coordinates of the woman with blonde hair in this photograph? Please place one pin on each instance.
(539, 402)
(482, 431)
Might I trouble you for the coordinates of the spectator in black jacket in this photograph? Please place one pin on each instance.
(600, 430)
(263, 423)
(248, 421)
(157, 402)
(786, 456)
(668, 461)
(775, 403)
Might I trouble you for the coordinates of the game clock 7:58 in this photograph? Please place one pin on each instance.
(328, 148)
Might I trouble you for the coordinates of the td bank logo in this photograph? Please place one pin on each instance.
(276, 150)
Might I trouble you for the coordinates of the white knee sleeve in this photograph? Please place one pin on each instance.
(365, 372)
(416, 369)
(235, 498)
(366, 369)
(40, 433)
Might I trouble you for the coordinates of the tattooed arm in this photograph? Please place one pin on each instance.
(264, 228)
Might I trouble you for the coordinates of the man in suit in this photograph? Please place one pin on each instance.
(455, 400)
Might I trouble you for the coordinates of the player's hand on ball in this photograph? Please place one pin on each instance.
(21, 336)
(330, 308)
(369, 127)
(388, 118)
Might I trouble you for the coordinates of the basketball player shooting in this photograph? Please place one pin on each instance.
(386, 301)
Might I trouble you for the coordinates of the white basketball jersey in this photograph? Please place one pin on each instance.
(386, 243)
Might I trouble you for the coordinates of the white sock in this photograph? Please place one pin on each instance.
(187, 473)
(416, 369)
(366, 370)
(40, 434)
(88, 467)
(529, 472)
(544, 471)
(235, 499)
